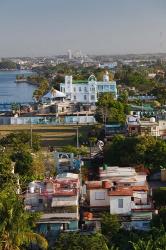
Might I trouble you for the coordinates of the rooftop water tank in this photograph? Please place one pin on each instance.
(152, 119)
(106, 184)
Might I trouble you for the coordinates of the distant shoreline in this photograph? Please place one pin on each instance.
(26, 81)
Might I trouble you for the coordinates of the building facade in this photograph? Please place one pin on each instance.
(58, 201)
(124, 192)
(87, 92)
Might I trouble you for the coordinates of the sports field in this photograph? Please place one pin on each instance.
(57, 136)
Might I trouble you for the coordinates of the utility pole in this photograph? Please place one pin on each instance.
(77, 136)
(31, 133)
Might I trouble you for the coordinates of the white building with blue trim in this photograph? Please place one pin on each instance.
(87, 92)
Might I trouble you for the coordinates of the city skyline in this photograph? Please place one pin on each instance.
(44, 28)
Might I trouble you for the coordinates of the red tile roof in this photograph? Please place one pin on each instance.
(121, 192)
(140, 188)
(94, 184)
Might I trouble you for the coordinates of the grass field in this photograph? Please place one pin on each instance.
(57, 136)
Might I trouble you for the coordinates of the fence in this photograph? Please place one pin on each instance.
(47, 120)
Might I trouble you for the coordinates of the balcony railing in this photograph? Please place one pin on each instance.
(141, 207)
(60, 215)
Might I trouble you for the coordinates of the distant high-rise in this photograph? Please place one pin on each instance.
(70, 54)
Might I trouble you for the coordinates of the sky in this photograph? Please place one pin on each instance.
(51, 27)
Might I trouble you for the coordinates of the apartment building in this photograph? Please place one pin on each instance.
(58, 200)
(124, 192)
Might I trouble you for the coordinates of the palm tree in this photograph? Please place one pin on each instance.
(143, 245)
(16, 224)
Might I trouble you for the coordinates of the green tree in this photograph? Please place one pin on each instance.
(110, 110)
(76, 241)
(6, 175)
(121, 151)
(110, 225)
(156, 155)
(16, 224)
(14, 140)
(143, 245)
(160, 92)
(76, 151)
(23, 162)
(7, 64)
(159, 196)
(145, 150)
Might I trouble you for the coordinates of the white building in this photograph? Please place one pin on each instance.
(124, 192)
(53, 96)
(58, 200)
(87, 92)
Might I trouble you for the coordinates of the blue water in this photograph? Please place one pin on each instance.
(11, 92)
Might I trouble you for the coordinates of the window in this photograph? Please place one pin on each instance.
(120, 203)
(106, 87)
(74, 89)
(92, 97)
(85, 89)
(100, 88)
(100, 196)
(85, 97)
(74, 97)
(80, 89)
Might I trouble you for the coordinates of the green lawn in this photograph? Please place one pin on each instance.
(57, 136)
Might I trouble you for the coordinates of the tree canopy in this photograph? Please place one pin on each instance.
(16, 225)
(125, 151)
(77, 241)
(110, 110)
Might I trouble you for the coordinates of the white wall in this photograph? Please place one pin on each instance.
(99, 198)
(162, 127)
(114, 209)
(140, 195)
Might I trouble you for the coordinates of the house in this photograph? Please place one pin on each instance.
(87, 92)
(124, 192)
(133, 125)
(150, 127)
(58, 200)
(53, 96)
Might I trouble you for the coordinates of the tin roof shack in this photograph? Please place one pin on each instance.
(124, 192)
(58, 200)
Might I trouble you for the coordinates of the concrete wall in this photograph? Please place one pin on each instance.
(141, 196)
(47, 120)
(99, 198)
(114, 209)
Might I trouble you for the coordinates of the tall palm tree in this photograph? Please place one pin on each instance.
(16, 224)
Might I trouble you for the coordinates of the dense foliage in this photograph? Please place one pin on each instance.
(16, 225)
(76, 241)
(111, 110)
(136, 150)
(9, 65)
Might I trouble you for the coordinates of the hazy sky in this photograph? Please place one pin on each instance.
(49, 27)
